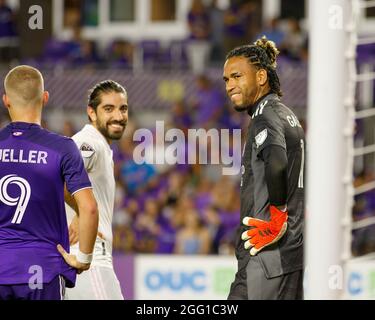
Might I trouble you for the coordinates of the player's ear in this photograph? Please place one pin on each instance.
(6, 101)
(91, 113)
(262, 77)
(45, 97)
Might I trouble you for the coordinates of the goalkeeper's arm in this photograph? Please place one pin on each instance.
(276, 174)
(265, 233)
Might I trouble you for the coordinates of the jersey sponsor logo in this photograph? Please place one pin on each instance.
(261, 137)
(86, 150)
(21, 201)
(17, 134)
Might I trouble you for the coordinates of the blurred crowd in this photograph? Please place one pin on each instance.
(212, 32)
(8, 33)
(182, 208)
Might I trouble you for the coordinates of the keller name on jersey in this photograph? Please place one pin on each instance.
(22, 156)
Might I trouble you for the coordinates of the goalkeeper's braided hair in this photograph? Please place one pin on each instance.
(262, 54)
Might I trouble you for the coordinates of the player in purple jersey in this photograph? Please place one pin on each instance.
(35, 165)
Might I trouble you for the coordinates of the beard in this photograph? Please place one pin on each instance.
(247, 102)
(241, 108)
(109, 134)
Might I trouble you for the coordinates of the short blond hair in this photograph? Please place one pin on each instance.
(24, 86)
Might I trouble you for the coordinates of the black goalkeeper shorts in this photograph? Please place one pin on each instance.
(251, 283)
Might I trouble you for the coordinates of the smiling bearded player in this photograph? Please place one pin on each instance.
(108, 113)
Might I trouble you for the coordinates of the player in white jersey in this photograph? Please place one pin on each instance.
(108, 113)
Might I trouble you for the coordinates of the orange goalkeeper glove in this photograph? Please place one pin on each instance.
(264, 233)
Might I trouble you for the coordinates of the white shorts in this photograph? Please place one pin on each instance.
(97, 283)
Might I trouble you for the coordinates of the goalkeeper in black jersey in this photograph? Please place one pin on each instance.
(270, 239)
